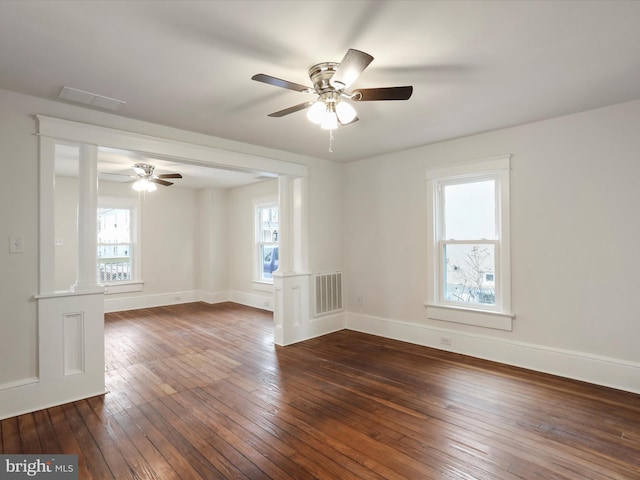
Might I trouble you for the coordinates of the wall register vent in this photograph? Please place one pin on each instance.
(328, 293)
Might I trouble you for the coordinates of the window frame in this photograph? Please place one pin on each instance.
(259, 280)
(497, 316)
(443, 242)
(135, 283)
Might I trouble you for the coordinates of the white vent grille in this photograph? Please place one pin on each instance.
(328, 293)
(88, 98)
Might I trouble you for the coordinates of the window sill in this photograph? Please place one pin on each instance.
(125, 287)
(262, 286)
(468, 316)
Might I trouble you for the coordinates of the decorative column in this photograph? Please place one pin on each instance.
(47, 150)
(86, 279)
(285, 220)
(291, 282)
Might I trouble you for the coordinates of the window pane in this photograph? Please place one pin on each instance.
(269, 224)
(267, 241)
(470, 210)
(269, 256)
(114, 245)
(469, 274)
(113, 225)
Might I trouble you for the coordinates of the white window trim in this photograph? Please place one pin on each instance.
(135, 284)
(499, 317)
(259, 283)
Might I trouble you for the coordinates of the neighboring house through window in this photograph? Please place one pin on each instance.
(267, 258)
(468, 251)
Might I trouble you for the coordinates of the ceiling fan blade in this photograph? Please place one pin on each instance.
(350, 123)
(387, 93)
(169, 175)
(277, 82)
(161, 182)
(295, 108)
(350, 68)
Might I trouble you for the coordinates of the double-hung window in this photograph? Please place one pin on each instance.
(469, 250)
(118, 256)
(266, 242)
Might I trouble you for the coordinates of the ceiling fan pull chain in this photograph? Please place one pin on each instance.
(330, 141)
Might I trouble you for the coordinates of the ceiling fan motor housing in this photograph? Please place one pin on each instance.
(320, 75)
(145, 167)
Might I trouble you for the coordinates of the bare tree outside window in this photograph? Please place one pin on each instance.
(470, 274)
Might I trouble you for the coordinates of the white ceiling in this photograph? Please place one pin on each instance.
(116, 165)
(475, 65)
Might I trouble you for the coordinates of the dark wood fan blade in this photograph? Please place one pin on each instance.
(387, 93)
(277, 82)
(350, 68)
(169, 175)
(161, 182)
(295, 108)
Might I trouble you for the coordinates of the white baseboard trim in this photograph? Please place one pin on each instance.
(600, 370)
(213, 297)
(29, 396)
(315, 327)
(326, 324)
(263, 301)
(18, 383)
(135, 302)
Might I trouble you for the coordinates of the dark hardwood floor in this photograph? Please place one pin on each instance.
(200, 391)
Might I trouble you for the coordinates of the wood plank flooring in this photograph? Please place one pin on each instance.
(200, 392)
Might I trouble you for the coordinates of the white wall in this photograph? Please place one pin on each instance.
(326, 216)
(241, 244)
(212, 232)
(575, 229)
(18, 216)
(168, 231)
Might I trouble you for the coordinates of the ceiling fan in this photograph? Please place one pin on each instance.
(147, 179)
(330, 82)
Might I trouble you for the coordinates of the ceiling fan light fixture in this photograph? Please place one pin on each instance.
(138, 186)
(144, 185)
(346, 113)
(317, 112)
(330, 120)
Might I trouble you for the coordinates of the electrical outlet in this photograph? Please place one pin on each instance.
(446, 341)
(16, 245)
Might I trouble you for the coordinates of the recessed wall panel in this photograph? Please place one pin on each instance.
(73, 351)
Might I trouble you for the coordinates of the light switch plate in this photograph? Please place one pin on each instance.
(16, 245)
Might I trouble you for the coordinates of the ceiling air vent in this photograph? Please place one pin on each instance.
(91, 99)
